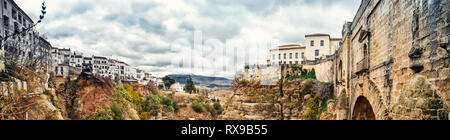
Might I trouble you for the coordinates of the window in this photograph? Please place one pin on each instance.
(303, 55)
(5, 5)
(14, 14)
(279, 56)
(290, 62)
(20, 19)
(322, 43)
(290, 55)
(296, 55)
(317, 52)
(312, 43)
(285, 56)
(23, 33)
(6, 22)
(365, 53)
(296, 62)
(16, 27)
(273, 57)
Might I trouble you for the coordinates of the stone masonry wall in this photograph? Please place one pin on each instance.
(404, 39)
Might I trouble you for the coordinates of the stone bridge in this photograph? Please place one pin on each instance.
(394, 62)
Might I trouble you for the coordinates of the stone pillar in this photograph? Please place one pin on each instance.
(342, 114)
(19, 85)
(4, 88)
(24, 85)
(11, 87)
(1, 90)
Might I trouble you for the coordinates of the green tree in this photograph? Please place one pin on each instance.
(190, 86)
(312, 74)
(168, 81)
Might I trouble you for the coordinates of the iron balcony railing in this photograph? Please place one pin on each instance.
(362, 66)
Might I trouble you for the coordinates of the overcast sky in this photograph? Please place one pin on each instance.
(154, 34)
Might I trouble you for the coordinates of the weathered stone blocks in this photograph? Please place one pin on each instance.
(415, 52)
(419, 101)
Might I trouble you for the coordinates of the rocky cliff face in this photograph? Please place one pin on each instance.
(252, 101)
(84, 97)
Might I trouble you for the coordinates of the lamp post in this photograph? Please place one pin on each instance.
(4, 39)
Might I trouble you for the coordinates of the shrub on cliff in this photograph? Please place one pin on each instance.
(312, 112)
(135, 97)
(218, 108)
(152, 88)
(301, 74)
(117, 112)
(121, 94)
(113, 112)
(154, 104)
(197, 107)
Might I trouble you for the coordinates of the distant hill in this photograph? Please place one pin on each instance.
(206, 81)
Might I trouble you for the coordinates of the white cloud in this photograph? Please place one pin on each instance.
(141, 32)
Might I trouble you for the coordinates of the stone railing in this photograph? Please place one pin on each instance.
(11, 87)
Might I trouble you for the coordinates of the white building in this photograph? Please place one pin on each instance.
(113, 71)
(140, 76)
(100, 65)
(320, 45)
(87, 60)
(63, 56)
(28, 45)
(15, 20)
(133, 73)
(287, 55)
(123, 70)
(177, 87)
(61, 61)
(76, 61)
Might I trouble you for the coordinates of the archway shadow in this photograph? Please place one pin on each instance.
(363, 110)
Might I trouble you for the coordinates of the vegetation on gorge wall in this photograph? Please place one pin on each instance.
(292, 98)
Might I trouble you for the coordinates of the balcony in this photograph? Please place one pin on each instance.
(362, 66)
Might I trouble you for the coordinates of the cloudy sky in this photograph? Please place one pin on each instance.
(204, 37)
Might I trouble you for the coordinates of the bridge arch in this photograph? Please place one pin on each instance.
(368, 96)
(363, 110)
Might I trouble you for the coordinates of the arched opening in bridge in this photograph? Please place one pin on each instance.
(363, 110)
